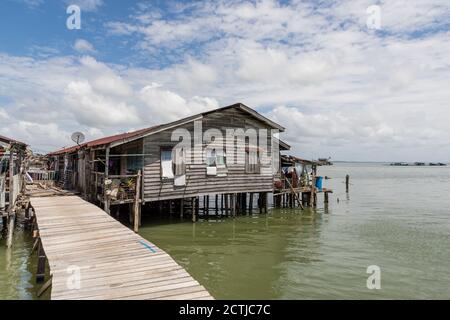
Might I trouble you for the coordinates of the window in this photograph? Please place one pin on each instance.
(211, 160)
(166, 164)
(221, 158)
(252, 163)
(132, 163)
(179, 161)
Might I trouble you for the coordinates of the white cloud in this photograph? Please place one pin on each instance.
(339, 89)
(84, 46)
(165, 105)
(86, 5)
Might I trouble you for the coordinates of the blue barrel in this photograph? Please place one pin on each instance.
(319, 181)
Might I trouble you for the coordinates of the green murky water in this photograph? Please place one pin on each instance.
(397, 218)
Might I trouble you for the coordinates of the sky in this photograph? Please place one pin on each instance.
(364, 80)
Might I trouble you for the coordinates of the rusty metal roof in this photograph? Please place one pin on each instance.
(102, 141)
(142, 132)
(10, 140)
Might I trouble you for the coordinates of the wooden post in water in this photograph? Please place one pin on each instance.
(11, 211)
(347, 181)
(137, 204)
(250, 203)
(217, 204)
(233, 204)
(226, 204)
(181, 207)
(194, 209)
(40, 273)
(265, 202)
(325, 198)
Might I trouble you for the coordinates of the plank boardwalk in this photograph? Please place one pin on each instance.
(113, 261)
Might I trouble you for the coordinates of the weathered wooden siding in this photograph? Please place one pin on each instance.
(197, 181)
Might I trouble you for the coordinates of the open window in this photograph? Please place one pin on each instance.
(166, 163)
(215, 160)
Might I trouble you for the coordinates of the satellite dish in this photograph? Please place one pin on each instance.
(77, 137)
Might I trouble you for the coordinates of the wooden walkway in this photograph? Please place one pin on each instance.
(114, 262)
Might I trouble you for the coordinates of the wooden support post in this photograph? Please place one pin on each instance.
(106, 197)
(207, 205)
(137, 203)
(244, 202)
(266, 202)
(221, 203)
(226, 204)
(217, 204)
(260, 203)
(44, 287)
(233, 204)
(325, 198)
(250, 203)
(11, 211)
(347, 182)
(11, 225)
(194, 210)
(181, 208)
(40, 273)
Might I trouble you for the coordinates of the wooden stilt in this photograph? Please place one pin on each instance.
(44, 287)
(181, 208)
(217, 204)
(11, 211)
(265, 202)
(40, 273)
(250, 203)
(106, 198)
(137, 204)
(207, 205)
(226, 204)
(11, 225)
(347, 182)
(194, 209)
(325, 198)
(233, 204)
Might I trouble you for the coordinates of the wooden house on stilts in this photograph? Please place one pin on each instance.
(228, 154)
(12, 155)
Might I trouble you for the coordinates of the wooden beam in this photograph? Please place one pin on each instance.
(106, 198)
(44, 287)
(11, 213)
(137, 204)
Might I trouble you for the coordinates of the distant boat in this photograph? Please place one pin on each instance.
(437, 164)
(399, 164)
(419, 163)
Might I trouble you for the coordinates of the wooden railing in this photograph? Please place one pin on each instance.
(43, 175)
(118, 188)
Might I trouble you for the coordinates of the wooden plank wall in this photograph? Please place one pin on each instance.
(197, 182)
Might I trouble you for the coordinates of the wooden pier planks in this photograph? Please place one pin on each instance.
(113, 261)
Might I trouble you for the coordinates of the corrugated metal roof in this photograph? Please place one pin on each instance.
(128, 135)
(103, 141)
(9, 140)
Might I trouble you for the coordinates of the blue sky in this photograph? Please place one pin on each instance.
(340, 87)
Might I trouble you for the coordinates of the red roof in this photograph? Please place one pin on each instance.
(103, 141)
(9, 140)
